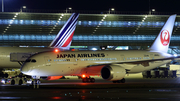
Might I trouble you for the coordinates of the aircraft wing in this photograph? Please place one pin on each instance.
(96, 69)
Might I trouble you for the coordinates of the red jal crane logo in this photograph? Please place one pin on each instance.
(165, 37)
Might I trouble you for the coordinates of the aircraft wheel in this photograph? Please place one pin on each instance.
(12, 82)
(88, 80)
(92, 80)
(118, 81)
(20, 82)
(123, 80)
(84, 80)
(114, 81)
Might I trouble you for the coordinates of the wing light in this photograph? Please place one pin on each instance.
(73, 49)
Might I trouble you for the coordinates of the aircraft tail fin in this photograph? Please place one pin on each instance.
(162, 41)
(64, 37)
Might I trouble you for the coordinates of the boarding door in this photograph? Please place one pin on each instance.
(47, 61)
(75, 61)
(122, 58)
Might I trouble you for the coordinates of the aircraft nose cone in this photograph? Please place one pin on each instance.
(24, 69)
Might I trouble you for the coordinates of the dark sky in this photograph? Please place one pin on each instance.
(94, 5)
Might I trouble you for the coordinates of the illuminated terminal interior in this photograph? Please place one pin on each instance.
(93, 30)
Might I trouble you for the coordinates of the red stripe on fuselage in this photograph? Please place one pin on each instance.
(68, 40)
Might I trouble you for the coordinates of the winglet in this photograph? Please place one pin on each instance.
(64, 38)
(162, 41)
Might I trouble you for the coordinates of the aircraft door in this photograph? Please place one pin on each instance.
(122, 58)
(75, 61)
(47, 61)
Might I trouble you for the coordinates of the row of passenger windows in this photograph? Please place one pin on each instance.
(98, 59)
(137, 58)
(56, 60)
(134, 58)
(146, 58)
(94, 59)
(61, 60)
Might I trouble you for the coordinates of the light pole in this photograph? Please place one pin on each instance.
(69, 8)
(2, 6)
(151, 11)
(111, 9)
(23, 7)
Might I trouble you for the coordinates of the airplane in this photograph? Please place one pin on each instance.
(111, 65)
(61, 42)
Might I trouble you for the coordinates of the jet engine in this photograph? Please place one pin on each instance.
(52, 77)
(113, 72)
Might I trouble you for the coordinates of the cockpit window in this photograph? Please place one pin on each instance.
(28, 60)
(33, 60)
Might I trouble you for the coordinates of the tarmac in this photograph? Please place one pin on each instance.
(72, 89)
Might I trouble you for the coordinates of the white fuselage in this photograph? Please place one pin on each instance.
(5, 55)
(72, 62)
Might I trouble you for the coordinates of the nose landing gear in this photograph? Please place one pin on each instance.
(35, 81)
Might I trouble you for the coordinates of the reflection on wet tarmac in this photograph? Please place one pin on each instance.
(90, 94)
(56, 98)
(154, 89)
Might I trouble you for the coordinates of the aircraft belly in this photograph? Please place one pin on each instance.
(56, 70)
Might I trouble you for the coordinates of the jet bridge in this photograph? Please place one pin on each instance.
(20, 57)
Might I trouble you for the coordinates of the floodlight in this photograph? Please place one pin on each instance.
(153, 10)
(24, 6)
(112, 9)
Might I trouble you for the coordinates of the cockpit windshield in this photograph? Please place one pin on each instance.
(30, 60)
(33, 60)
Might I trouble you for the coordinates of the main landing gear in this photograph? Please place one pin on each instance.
(120, 81)
(88, 80)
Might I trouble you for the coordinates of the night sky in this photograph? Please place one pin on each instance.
(96, 5)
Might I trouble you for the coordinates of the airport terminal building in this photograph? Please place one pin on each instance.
(135, 30)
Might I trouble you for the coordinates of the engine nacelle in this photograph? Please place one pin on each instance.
(52, 77)
(113, 72)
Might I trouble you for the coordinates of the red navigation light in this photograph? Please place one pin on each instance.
(56, 50)
(83, 76)
(72, 49)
